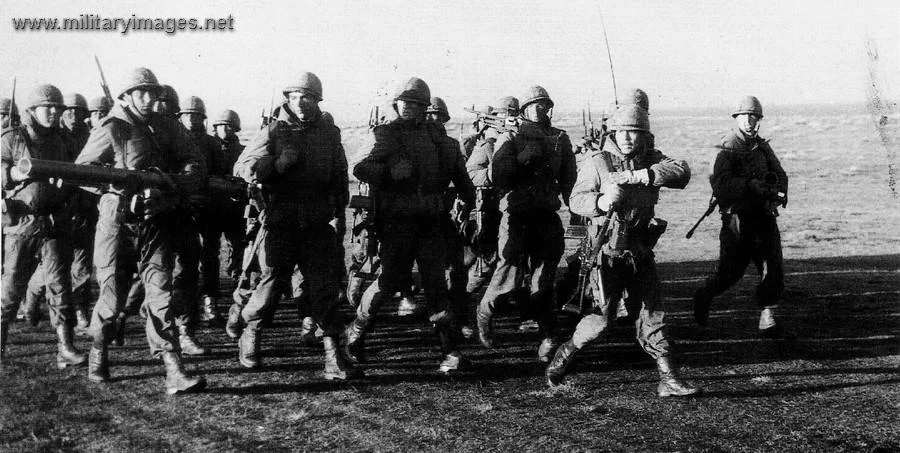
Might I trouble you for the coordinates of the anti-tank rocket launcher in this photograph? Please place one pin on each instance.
(130, 181)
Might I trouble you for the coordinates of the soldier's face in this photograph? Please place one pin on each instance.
(747, 123)
(192, 121)
(538, 112)
(46, 115)
(303, 105)
(410, 111)
(71, 117)
(631, 141)
(433, 117)
(224, 131)
(143, 100)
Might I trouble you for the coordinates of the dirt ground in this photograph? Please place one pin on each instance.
(836, 387)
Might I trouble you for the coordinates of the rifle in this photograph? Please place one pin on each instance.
(133, 181)
(709, 210)
(501, 124)
(103, 83)
(13, 111)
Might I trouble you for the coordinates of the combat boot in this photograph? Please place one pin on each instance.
(248, 348)
(82, 320)
(235, 323)
(308, 331)
(177, 381)
(337, 366)
(354, 342)
(485, 329)
(669, 383)
(66, 354)
(556, 370)
(702, 301)
(546, 349)
(453, 360)
(209, 313)
(407, 306)
(98, 364)
(188, 343)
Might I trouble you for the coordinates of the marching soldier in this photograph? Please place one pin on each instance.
(619, 187)
(98, 108)
(410, 163)
(226, 126)
(486, 212)
(36, 222)
(458, 213)
(205, 219)
(133, 137)
(530, 170)
(83, 207)
(749, 184)
(300, 160)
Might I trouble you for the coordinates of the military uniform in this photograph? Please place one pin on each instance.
(412, 214)
(125, 243)
(626, 260)
(36, 226)
(531, 170)
(748, 204)
(304, 169)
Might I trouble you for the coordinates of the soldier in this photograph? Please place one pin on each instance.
(619, 187)
(83, 207)
(301, 162)
(35, 221)
(530, 170)
(226, 126)
(749, 184)
(133, 137)
(9, 114)
(454, 224)
(409, 164)
(207, 219)
(99, 108)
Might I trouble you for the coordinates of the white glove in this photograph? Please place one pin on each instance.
(641, 177)
(612, 195)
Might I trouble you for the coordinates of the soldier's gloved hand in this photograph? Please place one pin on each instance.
(612, 195)
(401, 170)
(288, 158)
(154, 203)
(639, 177)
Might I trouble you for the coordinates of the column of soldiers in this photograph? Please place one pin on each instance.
(480, 212)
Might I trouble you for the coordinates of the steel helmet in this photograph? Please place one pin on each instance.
(169, 96)
(630, 118)
(748, 104)
(638, 97)
(99, 104)
(75, 100)
(139, 78)
(194, 105)
(508, 105)
(535, 93)
(438, 106)
(307, 83)
(44, 95)
(414, 90)
(229, 117)
(6, 107)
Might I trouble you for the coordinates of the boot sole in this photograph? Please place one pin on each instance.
(63, 365)
(671, 394)
(198, 387)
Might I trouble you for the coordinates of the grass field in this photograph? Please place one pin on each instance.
(835, 388)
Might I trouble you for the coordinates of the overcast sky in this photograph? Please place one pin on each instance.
(684, 53)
